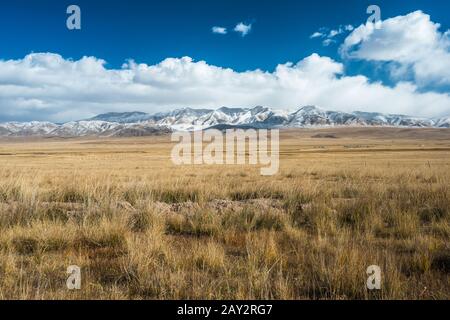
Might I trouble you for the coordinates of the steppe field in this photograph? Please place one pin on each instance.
(140, 227)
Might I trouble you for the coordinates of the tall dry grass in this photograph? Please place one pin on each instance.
(141, 228)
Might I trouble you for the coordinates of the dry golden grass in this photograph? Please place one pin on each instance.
(142, 228)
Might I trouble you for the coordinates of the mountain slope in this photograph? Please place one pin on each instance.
(140, 123)
(122, 117)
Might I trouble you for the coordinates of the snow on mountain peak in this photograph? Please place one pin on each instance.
(140, 123)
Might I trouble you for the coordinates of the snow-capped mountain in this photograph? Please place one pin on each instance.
(140, 123)
(374, 119)
(84, 128)
(122, 117)
(192, 119)
(33, 128)
(443, 122)
(80, 129)
(264, 117)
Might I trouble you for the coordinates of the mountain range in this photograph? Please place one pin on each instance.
(188, 119)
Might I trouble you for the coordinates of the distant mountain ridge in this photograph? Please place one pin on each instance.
(264, 117)
(122, 117)
(140, 123)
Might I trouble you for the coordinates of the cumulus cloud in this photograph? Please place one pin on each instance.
(334, 33)
(349, 27)
(219, 30)
(328, 34)
(327, 42)
(412, 44)
(45, 86)
(317, 34)
(243, 28)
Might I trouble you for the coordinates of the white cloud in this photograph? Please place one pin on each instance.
(342, 29)
(46, 86)
(349, 27)
(330, 34)
(219, 30)
(413, 42)
(243, 28)
(328, 42)
(334, 33)
(317, 34)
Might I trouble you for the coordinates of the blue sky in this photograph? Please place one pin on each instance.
(151, 31)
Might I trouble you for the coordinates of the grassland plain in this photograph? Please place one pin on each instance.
(141, 228)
